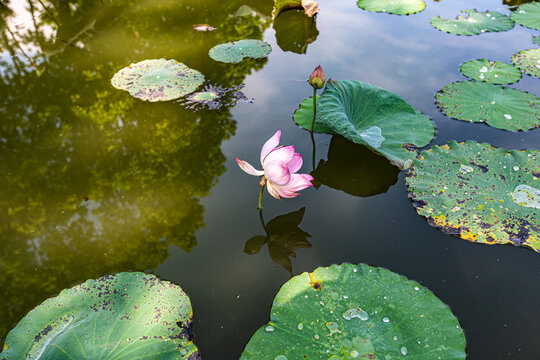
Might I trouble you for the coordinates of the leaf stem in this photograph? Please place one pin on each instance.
(314, 108)
(260, 198)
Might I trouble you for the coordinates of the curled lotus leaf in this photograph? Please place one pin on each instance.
(528, 15)
(494, 72)
(368, 115)
(157, 79)
(474, 23)
(127, 315)
(396, 7)
(480, 193)
(501, 107)
(356, 312)
(528, 61)
(236, 51)
(310, 7)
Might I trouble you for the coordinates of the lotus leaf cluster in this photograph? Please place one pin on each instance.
(356, 312)
(474, 23)
(480, 193)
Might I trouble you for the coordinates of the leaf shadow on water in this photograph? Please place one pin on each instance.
(354, 169)
(283, 237)
(295, 31)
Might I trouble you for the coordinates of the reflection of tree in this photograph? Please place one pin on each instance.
(354, 169)
(94, 181)
(283, 237)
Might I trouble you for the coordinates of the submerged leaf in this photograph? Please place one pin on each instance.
(473, 24)
(157, 80)
(110, 317)
(528, 15)
(356, 312)
(479, 193)
(236, 51)
(494, 72)
(501, 107)
(397, 7)
(528, 61)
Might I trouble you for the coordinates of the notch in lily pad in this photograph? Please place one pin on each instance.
(236, 51)
(356, 312)
(110, 317)
(478, 192)
(157, 80)
(494, 72)
(473, 23)
(396, 7)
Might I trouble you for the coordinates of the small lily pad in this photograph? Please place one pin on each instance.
(236, 51)
(528, 61)
(303, 116)
(473, 24)
(368, 115)
(110, 317)
(157, 80)
(479, 193)
(501, 107)
(356, 312)
(396, 7)
(494, 72)
(528, 15)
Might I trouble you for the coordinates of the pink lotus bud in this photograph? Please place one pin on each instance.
(317, 78)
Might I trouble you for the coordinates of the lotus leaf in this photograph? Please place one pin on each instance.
(310, 7)
(528, 15)
(500, 107)
(528, 61)
(157, 80)
(354, 169)
(397, 7)
(303, 116)
(494, 72)
(536, 39)
(368, 115)
(127, 315)
(295, 31)
(473, 24)
(356, 312)
(236, 51)
(479, 193)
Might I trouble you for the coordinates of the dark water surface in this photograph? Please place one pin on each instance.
(93, 181)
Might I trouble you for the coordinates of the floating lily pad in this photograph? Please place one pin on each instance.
(127, 315)
(236, 51)
(528, 61)
(397, 7)
(494, 72)
(157, 80)
(303, 116)
(368, 115)
(356, 312)
(473, 24)
(501, 107)
(295, 31)
(528, 15)
(479, 193)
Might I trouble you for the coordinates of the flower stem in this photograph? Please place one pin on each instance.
(314, 108)
(260, 198)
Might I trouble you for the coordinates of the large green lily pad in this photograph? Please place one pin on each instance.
(356, 312)
(295, 31)
(528, 61)
(479, 193)
(124, 316)
(397, 7)
(473, 24)
(500, 107)
(236, 51)
(528, 15)
(157, 80)
(494, 72)
(369, 115)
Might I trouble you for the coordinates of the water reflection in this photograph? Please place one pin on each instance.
(283, 237)
(354, 169)
(295, 31)
(94, 181)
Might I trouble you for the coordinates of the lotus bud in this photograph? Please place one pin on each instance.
(317, 78)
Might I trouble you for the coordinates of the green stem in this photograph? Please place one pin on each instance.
(314, 108)
(314, 151)
(260, 198)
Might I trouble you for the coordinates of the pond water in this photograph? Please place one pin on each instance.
(95, 182)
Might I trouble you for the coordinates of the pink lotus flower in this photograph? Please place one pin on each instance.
(280, 165)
